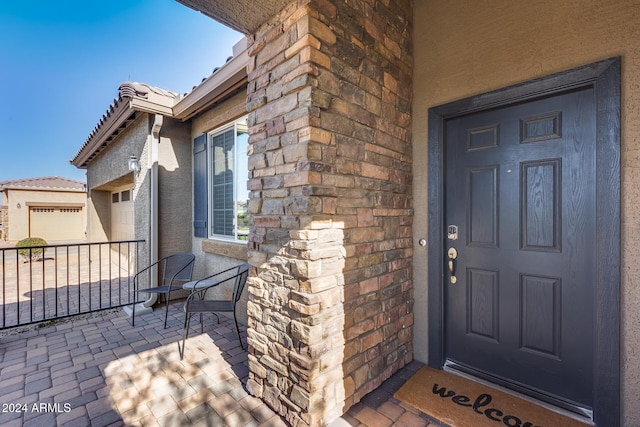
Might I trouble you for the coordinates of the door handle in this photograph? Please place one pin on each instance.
(453, 254)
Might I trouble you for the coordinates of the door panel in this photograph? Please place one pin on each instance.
(483, 206)
(122, 215)
(541, 209)
(520, 186)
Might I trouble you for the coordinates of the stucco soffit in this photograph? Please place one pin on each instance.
(228, 78)
(150, 107)
(245, 16)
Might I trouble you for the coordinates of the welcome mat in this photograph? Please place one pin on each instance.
(459, 402)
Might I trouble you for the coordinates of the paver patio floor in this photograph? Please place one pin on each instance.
(98, 370)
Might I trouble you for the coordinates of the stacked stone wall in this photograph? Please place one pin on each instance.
(4, 222)
(330, 293)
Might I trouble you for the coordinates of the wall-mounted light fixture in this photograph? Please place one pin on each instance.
(134, 164)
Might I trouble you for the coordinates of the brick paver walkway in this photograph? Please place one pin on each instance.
(98, 370)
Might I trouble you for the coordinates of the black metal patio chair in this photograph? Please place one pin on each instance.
(174, 271)
(196, 302)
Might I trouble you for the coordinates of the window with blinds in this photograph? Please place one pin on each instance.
(227, 175)
(222, 169)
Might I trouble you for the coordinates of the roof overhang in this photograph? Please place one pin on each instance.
(150, 107)
(245, 16)
(47, 183)
(133, 97)
(227, 80)
(61, 190)
(114, 122)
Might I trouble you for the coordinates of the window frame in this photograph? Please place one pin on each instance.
(233, 125)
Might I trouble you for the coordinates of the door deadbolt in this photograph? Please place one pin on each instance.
(452, 232)
(453, 253)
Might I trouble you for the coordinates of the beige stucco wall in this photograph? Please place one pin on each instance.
(174, 184)
(220, 115)
(463, 48)
(19, 216)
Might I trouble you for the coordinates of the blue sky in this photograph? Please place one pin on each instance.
(61, 63)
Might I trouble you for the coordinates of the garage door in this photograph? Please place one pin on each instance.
(56, 223)
(122, 226)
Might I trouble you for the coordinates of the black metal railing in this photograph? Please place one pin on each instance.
(42, 283)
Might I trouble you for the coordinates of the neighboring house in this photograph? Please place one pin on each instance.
(52, 208)
(382, 134)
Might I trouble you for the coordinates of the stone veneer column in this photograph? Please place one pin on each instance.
(4, 220)
(330, 292)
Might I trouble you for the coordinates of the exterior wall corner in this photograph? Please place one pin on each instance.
(330, 290)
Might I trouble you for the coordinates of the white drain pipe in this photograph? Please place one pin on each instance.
(154, 147)
(153, 214)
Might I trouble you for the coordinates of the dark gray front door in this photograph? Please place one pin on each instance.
(520, 187)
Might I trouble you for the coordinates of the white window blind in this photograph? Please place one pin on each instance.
(228, 182)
